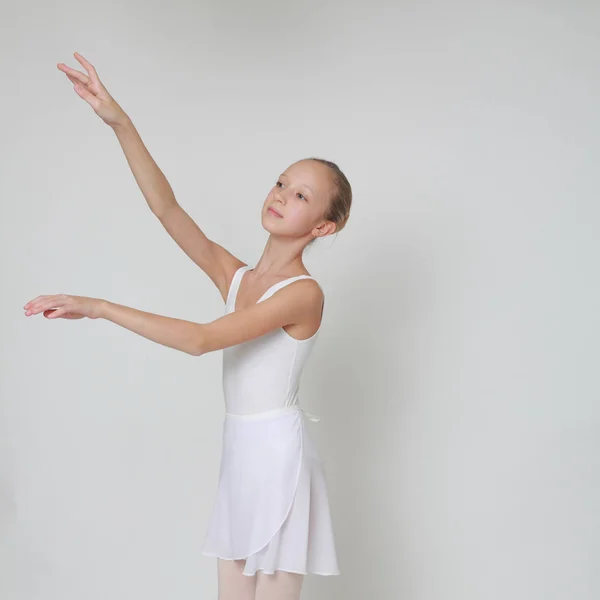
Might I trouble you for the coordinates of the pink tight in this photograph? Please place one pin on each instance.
(234, 585)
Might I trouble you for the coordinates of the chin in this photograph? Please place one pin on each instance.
(268, 225)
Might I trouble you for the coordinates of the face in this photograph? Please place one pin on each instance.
(301, 196)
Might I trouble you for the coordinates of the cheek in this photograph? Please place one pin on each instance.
(299, 214)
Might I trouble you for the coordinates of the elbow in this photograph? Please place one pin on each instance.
(197, 345)
(196, 348)
(196, 351)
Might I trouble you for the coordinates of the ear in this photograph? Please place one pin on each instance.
(325, 228)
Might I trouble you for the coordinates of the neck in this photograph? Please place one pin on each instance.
(280, 256)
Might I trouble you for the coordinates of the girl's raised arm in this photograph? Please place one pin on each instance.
(213, 259)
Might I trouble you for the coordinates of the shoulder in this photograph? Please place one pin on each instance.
(301, 301)
(305, 289)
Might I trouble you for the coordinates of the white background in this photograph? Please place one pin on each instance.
(455, 374)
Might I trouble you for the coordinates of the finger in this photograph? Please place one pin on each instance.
(38, 308)
(90, 98)
(32, 301)
(89, 86)
(43, 298)
(47, 302)
(72, 315)
(74, 74)
(88, 67)
(76, 81)
(31, 306)
(53, 314)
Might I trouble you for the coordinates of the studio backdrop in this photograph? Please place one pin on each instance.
(456, 371)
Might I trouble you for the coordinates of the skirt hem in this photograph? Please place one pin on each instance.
(273, 571)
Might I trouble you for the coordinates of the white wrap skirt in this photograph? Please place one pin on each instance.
(271, 506)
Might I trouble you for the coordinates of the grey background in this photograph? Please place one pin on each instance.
(455, 375)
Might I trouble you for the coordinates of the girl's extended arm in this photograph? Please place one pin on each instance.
(285, 307)
(297, 302)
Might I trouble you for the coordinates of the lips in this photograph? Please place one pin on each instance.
(274, 211)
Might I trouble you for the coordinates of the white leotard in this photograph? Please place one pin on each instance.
(263, 373)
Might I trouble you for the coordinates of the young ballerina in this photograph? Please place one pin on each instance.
(270, 523)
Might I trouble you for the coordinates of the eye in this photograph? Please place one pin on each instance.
(301, 196)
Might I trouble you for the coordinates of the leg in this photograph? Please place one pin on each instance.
(233, 584)
(279, 586)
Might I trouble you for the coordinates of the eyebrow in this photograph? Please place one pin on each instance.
(304, 184)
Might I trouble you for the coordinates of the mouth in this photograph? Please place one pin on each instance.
(274, 212)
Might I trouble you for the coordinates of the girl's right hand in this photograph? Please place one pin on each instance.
(90, 88)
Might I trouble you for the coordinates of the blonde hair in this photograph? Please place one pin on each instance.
(340, 202)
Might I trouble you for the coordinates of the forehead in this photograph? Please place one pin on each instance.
(313, 174)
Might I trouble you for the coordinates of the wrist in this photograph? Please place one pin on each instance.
(101, 308)
(122, 124)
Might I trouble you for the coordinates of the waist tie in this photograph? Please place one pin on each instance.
(273, 413)
(310, 417)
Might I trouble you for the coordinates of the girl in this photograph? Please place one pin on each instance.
(270, 523)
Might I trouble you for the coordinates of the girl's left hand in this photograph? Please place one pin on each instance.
(63, 306)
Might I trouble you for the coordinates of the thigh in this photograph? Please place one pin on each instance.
(233, 584)
(281, 585)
